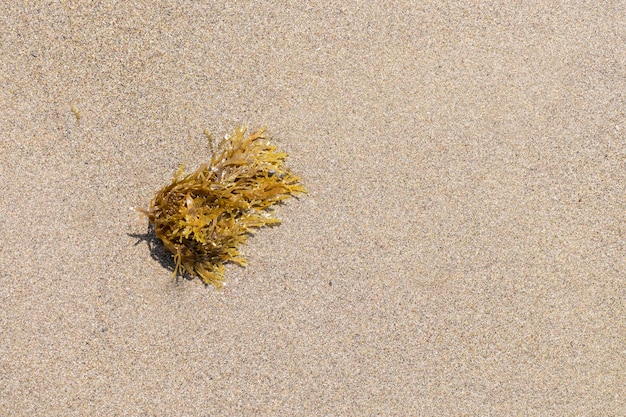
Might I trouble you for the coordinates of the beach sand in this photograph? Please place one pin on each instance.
(461, 250)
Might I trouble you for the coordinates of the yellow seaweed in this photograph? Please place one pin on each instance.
(203, 217)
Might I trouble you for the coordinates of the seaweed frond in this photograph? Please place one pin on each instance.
(203, 217)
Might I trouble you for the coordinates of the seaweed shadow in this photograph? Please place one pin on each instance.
(158, 252)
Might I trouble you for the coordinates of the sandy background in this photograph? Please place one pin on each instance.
(461, 250)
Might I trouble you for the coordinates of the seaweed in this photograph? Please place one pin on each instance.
(203, 217)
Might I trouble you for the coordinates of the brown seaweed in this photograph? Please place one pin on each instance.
(203, 217)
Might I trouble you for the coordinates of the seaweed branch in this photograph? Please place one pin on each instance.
(203, 217)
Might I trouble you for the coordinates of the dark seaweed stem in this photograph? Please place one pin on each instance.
(203, 217)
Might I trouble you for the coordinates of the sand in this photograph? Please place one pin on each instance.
(461, 250)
